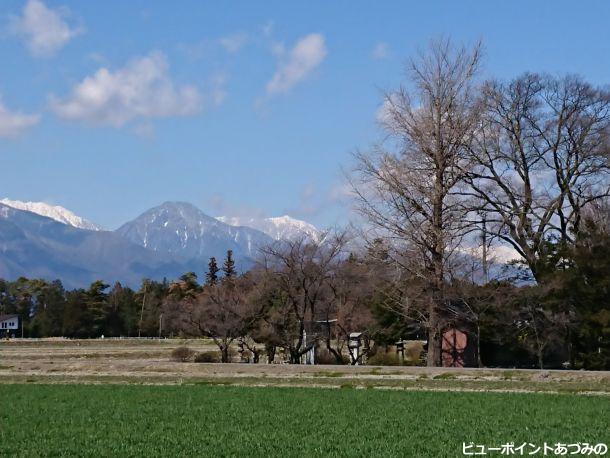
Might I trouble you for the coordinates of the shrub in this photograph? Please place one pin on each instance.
(207, 357)
(444, 376)
(182, 354)
(413, 352)
(323, 356)
(384, 359)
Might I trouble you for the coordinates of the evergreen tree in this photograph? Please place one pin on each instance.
(212, 276)
(77, 320)
(229, 266)
(189, 281)
(150, 299)
(582, 292)
(122, 312)
(49, 309)
(96, 303)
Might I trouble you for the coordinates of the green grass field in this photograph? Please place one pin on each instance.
(97, 420)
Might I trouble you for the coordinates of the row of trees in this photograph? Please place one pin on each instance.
(47, 309)
(307, 294)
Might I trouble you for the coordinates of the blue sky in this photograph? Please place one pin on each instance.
(109, 108)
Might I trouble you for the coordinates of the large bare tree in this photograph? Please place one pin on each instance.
(300, 272)
(406, 186)
(540, 155)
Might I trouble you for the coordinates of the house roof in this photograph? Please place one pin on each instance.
(7, 317)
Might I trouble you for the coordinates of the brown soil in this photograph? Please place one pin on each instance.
(149, 361)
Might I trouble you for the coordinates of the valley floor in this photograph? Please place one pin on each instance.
(148, 362)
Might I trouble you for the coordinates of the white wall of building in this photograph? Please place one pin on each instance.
(11, 323)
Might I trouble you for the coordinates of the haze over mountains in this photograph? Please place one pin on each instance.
(51, 242)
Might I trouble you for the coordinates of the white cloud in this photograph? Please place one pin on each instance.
(221, 206)
(44, 30)
(386, 114)
(233, 43)
(308, 191)
(380, 51)
(341, 193)
(140, 90)
(298, 63)
(309, 203)
(496, 253)
(13, 124)
(277, 49)
(218, 92)
(383, 115)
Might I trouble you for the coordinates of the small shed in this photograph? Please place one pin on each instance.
(8, 323)
(457, 349)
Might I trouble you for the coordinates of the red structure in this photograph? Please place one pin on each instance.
(454, 345)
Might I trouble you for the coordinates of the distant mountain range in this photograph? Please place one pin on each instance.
(278, 228)
(35, 246)
(45, 241)
(55, 212)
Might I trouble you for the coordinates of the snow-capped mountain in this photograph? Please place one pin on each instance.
(278, 228)
(35, 246)
(45, 241)
(181, 228)
(59, 214)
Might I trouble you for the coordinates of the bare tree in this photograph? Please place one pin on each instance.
(346, 307)
(300, 271)
(540, 156)
(406, 188)
(223, 312)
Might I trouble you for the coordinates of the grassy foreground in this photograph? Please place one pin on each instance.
(120, 420)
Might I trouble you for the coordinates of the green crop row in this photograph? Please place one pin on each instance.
(120, 421)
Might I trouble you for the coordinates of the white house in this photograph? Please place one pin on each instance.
(8, 323)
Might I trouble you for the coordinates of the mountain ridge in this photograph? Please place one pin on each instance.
(277, 227)
(55, 212)
(163, 242)
(36, 246)
(183, 229)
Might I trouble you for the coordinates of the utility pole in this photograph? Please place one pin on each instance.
(142, 310)
(484, 251)
(160, 324)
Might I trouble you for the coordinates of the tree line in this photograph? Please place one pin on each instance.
(467, 167)
(325, 291)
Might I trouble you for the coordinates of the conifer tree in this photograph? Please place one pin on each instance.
(212, 276)
(229, 266)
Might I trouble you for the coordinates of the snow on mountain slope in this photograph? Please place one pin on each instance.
(181, 228)
(59, 214)
(36, 246)
(278, 228)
